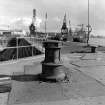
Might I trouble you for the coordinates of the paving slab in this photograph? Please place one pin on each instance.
(35, 68)
(97, 72)
(86, 63)
(73, 56)
(28, 92)
(80, 86)
(4, 98)
(94, 56)
(81, 101)
(91, 64)
(86, 86)
(90, 60)
(89, 56)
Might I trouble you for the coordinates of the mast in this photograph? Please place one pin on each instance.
(70, 31)
(69, 25)
(34, 16)
(46, 24)
(34, 20)
(88, 24)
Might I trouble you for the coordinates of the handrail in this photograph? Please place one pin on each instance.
(32, 40)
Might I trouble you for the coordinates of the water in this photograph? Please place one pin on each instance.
(97, 41)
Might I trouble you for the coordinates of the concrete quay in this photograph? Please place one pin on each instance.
(86, 86)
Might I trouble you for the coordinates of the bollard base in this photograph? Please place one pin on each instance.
(93, 48)
(53, 72)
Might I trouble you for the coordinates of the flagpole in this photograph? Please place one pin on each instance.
(88, 23)
(46, 24)
(45, 27)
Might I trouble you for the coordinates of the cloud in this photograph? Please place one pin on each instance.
(18, 12)
(18, 22)
(4, 20)
(26, 21)
(57, 19)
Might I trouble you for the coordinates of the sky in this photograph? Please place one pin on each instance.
(18, 14)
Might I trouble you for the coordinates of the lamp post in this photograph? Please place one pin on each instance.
(88, 24)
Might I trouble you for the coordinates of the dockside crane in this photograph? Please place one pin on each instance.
(32, 27)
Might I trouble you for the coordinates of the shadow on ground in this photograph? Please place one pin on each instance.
(30, 77)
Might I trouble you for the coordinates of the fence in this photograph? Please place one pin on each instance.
(34, 43)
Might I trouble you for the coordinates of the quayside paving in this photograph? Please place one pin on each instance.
(86, 85)
(84, 88)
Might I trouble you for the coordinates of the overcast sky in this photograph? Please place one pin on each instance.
(18, 13)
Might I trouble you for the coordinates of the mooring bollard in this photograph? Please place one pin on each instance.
(52, 67)
(93, 48)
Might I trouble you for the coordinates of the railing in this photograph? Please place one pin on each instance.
(37, 42)
(34, 43)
